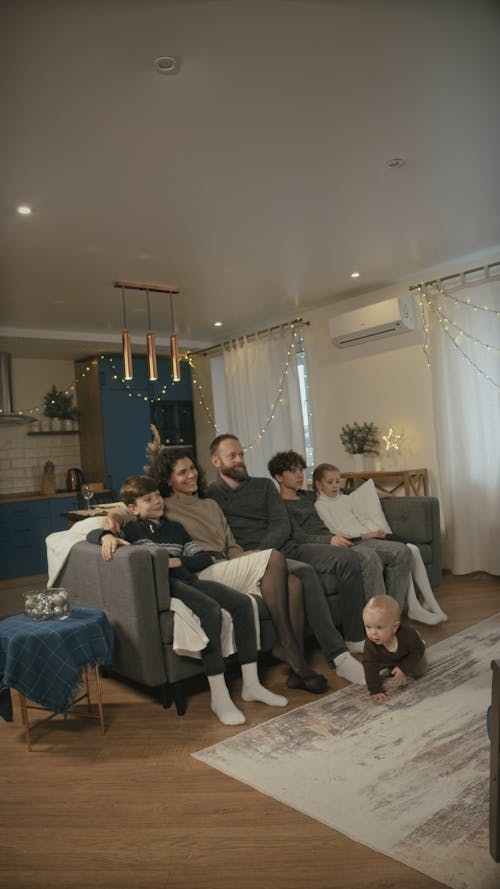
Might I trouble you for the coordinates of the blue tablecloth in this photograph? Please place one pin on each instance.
(44, 660)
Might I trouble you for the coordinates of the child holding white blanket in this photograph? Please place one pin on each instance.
(338, 512)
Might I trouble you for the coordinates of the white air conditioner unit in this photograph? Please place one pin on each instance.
(373, 322)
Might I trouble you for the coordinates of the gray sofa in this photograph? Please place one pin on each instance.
(133, 590)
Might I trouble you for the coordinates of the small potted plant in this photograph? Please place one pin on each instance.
(58, 406)
(359, 439)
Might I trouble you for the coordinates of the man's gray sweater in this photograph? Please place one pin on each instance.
(256, 514)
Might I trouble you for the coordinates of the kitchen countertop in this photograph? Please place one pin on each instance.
(35, 495)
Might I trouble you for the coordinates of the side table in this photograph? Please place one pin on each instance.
(44, 660)
(413, 481)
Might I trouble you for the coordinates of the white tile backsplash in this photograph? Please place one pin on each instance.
(23, 457)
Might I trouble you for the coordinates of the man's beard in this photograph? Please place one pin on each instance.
(237, 473)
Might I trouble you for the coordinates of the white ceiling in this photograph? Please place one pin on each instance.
(255, 178)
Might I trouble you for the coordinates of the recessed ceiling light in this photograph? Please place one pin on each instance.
(166, 65)
(354, 274)
(24, 210)
(217, 323)
(394, 162)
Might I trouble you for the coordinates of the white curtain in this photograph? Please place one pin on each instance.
(258, 389)
(467, 420)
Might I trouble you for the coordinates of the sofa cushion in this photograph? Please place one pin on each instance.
(366, 504)
(408, 519)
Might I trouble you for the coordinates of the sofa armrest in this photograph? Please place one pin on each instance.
(417, 520)
(131, 590)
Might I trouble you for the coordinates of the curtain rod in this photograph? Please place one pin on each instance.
(490, 271)
(247, 335)
(137, 285)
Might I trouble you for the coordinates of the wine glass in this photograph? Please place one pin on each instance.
(87, 493)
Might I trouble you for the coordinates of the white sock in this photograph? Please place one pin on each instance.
(349, 668)
(356, 647)
(253, 691)
(417, 612)
(221, 703)
(422, 616)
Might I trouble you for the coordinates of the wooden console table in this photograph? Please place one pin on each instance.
(413, 481)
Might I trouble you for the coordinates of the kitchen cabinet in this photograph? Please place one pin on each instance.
(116, 416)
(24, 525)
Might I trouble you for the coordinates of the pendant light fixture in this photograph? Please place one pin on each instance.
(174, 346)
(150, 342)
(150, 337)
(128, 373)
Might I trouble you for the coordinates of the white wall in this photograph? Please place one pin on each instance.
(387, 382)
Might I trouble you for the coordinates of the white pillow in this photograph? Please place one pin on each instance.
(366, 504)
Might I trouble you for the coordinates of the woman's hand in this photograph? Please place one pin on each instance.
(116, 519)
(370, 535)
(380, 697)
(174, 562)
(111, 523)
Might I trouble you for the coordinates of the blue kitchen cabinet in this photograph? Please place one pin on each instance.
(24, 525)
(116, 416)
(59, 505)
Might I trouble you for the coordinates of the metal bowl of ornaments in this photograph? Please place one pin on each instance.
(50, 604)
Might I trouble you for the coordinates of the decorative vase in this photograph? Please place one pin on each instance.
(56, 424)
(45, 424)
(359, 462)
(67, 425)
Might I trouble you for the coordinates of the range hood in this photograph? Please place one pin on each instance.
(8, 417)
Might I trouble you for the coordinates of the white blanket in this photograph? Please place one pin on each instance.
(189, 637)
(59, 545)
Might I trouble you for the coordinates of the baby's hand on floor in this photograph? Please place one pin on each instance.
(380, 697)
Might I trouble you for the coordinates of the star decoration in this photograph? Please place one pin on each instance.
(392, 440)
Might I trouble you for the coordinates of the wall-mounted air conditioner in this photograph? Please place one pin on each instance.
(373, 322)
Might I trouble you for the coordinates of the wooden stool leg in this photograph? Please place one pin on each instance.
(99, 697)
(87, 689)
(26, 723)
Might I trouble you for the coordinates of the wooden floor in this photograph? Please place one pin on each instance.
(133, 809)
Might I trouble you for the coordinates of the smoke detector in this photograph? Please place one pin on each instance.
(394, 162)
(166, 65)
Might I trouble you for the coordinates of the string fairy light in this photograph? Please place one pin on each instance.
(258, 436)
(201, 399)
(93, 365)
(38, 409)
(294, 344)
(428, 307)
(442, 317)
(464, 302)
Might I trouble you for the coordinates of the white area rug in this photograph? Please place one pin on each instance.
(408, 778)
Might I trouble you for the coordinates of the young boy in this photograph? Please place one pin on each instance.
(204, 598)
(389, 645)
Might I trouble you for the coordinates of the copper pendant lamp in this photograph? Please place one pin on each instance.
(150, 343)
(174, 346)
(128, 373)
(150, 337)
